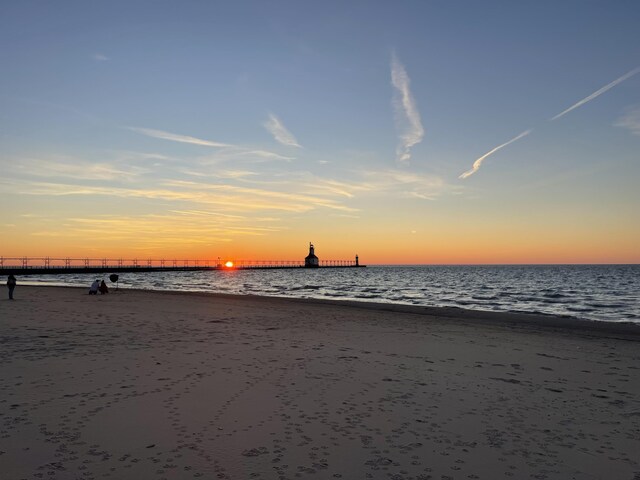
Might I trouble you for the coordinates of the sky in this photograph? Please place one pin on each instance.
(407, 132)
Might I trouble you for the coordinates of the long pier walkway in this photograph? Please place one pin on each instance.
(57, 266)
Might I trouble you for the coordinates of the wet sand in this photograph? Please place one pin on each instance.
(148, 385)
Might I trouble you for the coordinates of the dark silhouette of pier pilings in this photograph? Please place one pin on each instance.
(67, 265)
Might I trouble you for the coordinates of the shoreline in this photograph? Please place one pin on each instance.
(569, 291)
(496, 317)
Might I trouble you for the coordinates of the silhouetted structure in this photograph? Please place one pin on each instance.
(311, 261)
(56, 266)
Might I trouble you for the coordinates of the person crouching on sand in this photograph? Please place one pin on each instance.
(11, 285)
(93, 290)
(103, 288)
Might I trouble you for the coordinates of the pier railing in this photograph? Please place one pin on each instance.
(58, 264)
(68, 262)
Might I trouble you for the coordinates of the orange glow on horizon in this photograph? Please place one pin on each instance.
(516, 241)
(229, 264)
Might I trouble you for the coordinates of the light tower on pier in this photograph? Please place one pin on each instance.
(311, 261)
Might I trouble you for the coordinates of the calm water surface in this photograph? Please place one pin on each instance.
(596, 292)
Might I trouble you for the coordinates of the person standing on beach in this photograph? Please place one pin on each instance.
(103, 288)
(93, 289)
(11, 284)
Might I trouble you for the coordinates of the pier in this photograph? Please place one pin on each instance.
(57, 266)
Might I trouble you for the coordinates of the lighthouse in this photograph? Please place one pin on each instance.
(311, 261)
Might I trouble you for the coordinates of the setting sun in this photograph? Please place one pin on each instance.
(229, 264)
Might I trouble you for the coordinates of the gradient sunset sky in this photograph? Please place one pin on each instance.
(404, 131)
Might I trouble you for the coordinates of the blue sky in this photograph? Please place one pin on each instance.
(346, 114)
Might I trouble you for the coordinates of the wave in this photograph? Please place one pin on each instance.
(606, 292)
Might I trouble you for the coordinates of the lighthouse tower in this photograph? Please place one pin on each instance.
(311, 261)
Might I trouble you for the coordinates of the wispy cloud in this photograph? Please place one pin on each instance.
(100, 57)
(75, 168)
(237, 156)
(387, 183)
(262, 154)
(222, 174)
(322, 186)
(157, 231)
(177, 138)
(406, 184)
(478, 163)
(204, 213)
(407, 115)
(227, 151)
(599, 92)
(236, 173)
(129, 156)
(260, 198)
(227, 198)
(280, 132)
(630, 120)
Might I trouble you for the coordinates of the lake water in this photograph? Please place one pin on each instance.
(597, 292)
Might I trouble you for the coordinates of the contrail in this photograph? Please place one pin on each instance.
(597, 93)
(478, 162)
(406, 111)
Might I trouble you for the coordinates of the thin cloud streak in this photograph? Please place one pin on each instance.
(227, 197)
(407, 115)
(280, 132)
(158, 230)
(72, 168)
(240, 156)
(203, 213)
(299, 199)
(265, 154)
(406, 184)
(150, 132)
(396, 183)
(478, 162)
(630, 120)
(597, 93)
(228, 150)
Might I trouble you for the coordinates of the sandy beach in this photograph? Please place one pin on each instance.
(149, 385)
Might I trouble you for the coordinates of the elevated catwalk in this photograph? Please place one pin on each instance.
(59, 266)
(33, 266)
